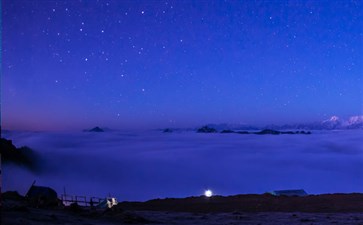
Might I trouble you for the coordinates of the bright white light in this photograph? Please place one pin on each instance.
(208, 193)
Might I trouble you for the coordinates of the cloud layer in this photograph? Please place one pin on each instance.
(145, 165)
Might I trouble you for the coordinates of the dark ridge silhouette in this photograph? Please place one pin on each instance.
(243, 132)
(305, 132)
(23, 156)
(227, 131)
(324, 203)
(276, 132)
(167, 130)
(268, 131)
(289, 132)
(206, 129)
(333, 123)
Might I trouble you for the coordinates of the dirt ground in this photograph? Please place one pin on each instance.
(240, 209)
(45, 216)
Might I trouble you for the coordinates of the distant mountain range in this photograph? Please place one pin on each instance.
(333, 123)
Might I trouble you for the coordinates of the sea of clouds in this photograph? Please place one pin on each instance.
(152, 164)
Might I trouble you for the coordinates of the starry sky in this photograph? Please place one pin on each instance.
(77, 64)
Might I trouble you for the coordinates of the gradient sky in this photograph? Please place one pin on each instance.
(135, 64)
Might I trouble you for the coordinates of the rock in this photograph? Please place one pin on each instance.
(12, 201)
(12, 195)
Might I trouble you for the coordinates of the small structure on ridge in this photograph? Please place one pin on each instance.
(298, 192)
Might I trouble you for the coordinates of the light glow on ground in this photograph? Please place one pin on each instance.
(208, 193)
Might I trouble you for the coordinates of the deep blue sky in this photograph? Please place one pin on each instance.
(122, 64)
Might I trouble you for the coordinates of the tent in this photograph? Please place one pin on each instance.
(42, 196)
(107, 203)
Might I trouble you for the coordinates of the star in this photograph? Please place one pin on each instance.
(262, 49)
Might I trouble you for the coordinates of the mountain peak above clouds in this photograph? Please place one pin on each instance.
(353, 122)
(334, 119)
(333, 123)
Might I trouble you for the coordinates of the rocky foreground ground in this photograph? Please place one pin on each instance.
(240, 209)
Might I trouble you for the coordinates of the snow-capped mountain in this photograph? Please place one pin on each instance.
(354, 122)
(333, 123)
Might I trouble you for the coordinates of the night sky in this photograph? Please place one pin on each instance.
(156, 64)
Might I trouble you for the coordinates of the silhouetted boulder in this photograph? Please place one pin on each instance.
(12, 195)
(96, 129)
(206, 129)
